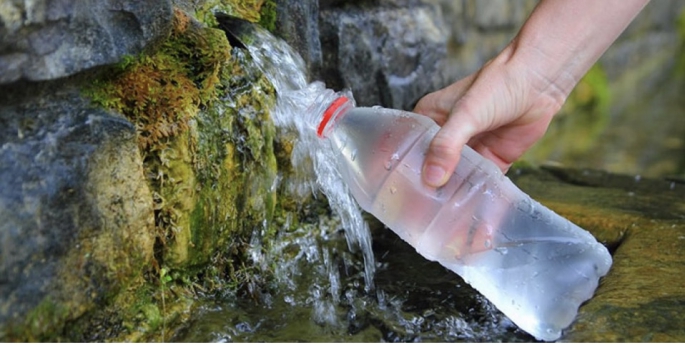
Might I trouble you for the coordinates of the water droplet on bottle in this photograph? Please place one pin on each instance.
(353, 156)
(388, 165)
(393, 190)
(502, 250)
(487, 244)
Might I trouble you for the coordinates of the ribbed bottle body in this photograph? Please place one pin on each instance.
(533, 264)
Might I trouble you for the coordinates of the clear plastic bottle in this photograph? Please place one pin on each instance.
(532, 264)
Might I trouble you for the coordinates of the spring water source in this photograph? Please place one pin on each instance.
(330, 288)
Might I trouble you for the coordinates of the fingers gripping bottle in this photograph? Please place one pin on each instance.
(532, 264)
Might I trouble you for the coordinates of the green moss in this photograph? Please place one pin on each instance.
(256, 11)
(207, 140)
(174, 179)
(152, 314)
(268, 15)
(44, 323)
(161, 92)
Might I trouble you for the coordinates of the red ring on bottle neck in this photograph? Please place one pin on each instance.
(328, 114)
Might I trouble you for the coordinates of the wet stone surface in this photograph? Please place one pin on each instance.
(642, 221)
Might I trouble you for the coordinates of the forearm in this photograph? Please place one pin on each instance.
(562, 39)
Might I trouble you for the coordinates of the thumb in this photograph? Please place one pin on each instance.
(445, 148)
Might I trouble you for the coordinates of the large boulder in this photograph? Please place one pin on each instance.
(388, 55)
(77, 214)
(77, 218)
(42, 40)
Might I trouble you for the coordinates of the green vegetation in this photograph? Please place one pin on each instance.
(262, 12)
(43, 321)
(267, 15)
(161, 92)
(205, 134)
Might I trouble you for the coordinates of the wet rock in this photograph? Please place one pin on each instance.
(387, 55)
(42, 40)
(392, 52)
(76, 213)
(642, 221)
(298, 24)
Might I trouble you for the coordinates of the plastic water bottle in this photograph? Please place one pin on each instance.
(532, 264)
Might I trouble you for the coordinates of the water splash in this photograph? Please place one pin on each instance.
(297, 113)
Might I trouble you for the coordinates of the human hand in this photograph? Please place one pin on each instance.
(499, 111)
(505, 107)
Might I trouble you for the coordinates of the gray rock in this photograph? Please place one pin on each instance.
(297, 23)
(77, 218)
(48, 39)
(387, 55)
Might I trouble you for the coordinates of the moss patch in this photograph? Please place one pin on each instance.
(160, 93)
(256, 11)
(204, 130)
(267, 15)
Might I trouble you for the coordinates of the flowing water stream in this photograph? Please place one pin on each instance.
(329, 284)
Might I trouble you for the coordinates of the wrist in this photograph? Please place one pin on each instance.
(533, 83)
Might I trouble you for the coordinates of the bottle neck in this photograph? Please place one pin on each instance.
(338, 107)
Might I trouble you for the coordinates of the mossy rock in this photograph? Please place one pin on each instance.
(77, 221)
(204, 130)
(642, 221)
(262, 12)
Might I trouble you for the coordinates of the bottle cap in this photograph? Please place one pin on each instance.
(328, 114)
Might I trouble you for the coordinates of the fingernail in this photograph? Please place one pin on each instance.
(434, 175)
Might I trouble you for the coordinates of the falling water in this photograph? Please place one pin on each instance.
(298, 109)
